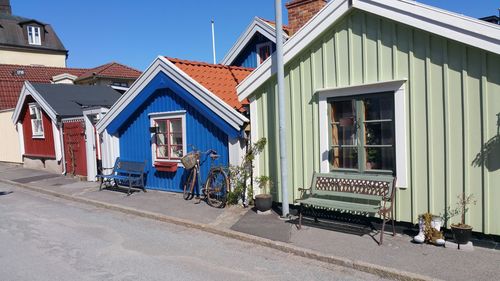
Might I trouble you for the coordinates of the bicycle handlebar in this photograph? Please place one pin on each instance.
(210, 151)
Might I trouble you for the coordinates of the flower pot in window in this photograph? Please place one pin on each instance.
(170, 167)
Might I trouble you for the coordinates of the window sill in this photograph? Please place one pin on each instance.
(38, 137)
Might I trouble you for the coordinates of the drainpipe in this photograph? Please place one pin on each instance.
(281, 109)
(61, 139)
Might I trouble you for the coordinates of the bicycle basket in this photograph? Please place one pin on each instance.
(189, 160)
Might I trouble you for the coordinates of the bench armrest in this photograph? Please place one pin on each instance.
(303, 191)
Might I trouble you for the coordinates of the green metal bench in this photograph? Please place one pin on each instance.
(359, 194)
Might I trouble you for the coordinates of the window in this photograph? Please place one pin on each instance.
(34, 36)
(263, 52)
(36, 120)
(362, 134)
(168, 135)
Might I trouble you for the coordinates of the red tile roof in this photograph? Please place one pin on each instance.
(219, 79)
(286, 29)
(11, 81)
(112, 69)
(12, 78)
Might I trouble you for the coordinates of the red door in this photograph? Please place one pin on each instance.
(74, 147)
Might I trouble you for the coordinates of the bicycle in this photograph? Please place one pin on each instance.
(216, 185)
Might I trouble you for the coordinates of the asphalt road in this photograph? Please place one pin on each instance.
(44, 238)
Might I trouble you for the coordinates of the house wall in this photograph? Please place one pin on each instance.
(9, 147)
(37, 147)
(135, 139)
(32, 58)
(248, 56)
(452, 102)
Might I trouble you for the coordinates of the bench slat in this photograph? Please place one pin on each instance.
(343, 205)
(348, 195)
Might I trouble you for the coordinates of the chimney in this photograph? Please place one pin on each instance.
(301, 11)
(5, 7)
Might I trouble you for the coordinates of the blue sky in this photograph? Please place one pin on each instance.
(135, 32)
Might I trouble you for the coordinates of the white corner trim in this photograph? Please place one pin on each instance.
(236, 151)
(28, 89)
(450, 25)
(254, 132)
(57, 141)
(170, 114)
(400, 116)
(257, 25)
(161, 64)
(20, 133)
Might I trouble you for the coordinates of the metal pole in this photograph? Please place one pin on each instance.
(213, 41)
(281, 108)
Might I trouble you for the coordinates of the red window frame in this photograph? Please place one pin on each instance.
(167, 137)
(264, 52)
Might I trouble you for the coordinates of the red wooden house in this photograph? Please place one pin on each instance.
(56, 125)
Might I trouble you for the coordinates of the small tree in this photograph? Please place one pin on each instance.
(461, 208)
(241, 174)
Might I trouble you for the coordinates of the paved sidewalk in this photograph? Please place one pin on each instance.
(398, 258)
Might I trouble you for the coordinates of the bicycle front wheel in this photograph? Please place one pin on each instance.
(189, 184)
(216, 188)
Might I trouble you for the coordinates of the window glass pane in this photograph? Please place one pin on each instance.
(175, 126)
(344, 123)
(175, 139)
(160, 139)
(380, 158)
(162, 126)
(346, 157)
(176, 151)
(379, 107)
(379, 133)
(161, 151)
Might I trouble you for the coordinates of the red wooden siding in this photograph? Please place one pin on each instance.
(74, 147)
(38, 147)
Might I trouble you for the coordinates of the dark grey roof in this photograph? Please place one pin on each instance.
(70, 100)
(13, 33)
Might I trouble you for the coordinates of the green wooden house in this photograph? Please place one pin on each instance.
(389, 86)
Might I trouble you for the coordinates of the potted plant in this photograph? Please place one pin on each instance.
(461, 232)
(264, 200)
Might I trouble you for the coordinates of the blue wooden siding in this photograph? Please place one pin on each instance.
(135, 139)
(162, 81)
(248, 56)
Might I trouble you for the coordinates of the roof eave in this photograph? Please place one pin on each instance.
(161, 64)
(447, 24)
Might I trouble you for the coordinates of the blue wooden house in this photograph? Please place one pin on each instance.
(174, 105)
(254, 45)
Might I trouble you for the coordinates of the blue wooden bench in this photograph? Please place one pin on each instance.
(358, 194)
(128, 173)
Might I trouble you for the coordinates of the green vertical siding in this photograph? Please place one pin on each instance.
(452, 98)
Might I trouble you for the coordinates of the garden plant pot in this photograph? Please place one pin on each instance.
(263, 202)
(461, 233)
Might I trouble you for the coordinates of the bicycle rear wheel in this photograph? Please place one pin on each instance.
(216, 188)
(189, 184)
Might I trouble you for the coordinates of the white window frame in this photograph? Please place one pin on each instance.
(259, 46)
(181, 114)
(35, 107)
(33, 31)
(400, 121)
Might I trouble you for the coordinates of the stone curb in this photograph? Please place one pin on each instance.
(382, 271)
